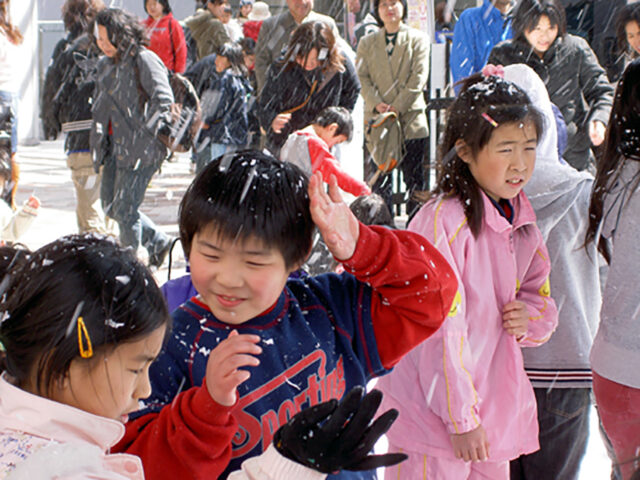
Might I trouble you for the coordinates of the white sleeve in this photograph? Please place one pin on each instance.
(273, 466)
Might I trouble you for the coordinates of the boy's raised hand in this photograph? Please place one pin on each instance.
(338, 226)
(223, 375)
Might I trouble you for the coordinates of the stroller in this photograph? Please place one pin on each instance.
(6, 121)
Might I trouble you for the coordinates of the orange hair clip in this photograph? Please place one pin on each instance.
(82, 331)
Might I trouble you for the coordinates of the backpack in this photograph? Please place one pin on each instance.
(185, 112)
(383, 135)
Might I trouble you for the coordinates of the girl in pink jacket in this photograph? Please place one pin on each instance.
(466, 405)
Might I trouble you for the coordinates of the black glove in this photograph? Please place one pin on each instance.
(330, 437)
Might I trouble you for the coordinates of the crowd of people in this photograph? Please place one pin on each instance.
(491, 319)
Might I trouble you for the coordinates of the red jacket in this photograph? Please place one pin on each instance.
(251, 28)
(308, 151)
(167, 41)
(190, 438)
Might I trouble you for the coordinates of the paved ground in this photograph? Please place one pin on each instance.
(45, 174)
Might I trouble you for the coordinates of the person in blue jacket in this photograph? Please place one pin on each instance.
(476, 33)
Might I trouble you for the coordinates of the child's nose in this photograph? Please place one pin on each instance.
(229, 277)
(519, 164)
(143, 389)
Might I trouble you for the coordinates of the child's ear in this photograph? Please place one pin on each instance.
(332, 128)
(463, 151)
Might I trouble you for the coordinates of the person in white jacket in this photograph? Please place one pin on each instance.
(559, 370)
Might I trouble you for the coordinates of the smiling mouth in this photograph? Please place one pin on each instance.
(515, 181)
(228, 301)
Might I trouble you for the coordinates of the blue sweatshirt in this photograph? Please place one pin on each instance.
(475, 34)
(323, 336)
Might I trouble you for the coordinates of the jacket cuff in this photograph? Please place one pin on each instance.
(272, 465)
(208, 409)
(366, 247)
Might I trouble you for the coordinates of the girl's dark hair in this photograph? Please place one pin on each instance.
(504, 103)
(75, 276)
(232, 51)
(376, 5)
(318, 35)
(166, 8)
(77, 15)
(627, 14)
(622, 144)
(250, 193)
(528, 13)
(12, 32)
(124, 30)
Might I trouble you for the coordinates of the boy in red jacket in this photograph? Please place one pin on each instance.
(310, 148)
(246, 223)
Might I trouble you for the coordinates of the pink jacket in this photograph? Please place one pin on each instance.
(471, 372)
(40, 438)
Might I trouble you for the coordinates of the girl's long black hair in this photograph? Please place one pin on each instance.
(622, 144)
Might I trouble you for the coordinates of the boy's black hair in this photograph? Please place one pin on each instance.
(250, 193)
(232, 51)
(166, 8)
(339, 116)
(527, 14)
(376, 15)
(372, 210)
(75, 276)
(504, 103)
(248, 45)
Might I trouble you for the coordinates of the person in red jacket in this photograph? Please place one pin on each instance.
(310, 148)
(167, 36)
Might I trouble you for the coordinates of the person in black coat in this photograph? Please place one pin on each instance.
(66, 107)
(576, 82)
(312, 75)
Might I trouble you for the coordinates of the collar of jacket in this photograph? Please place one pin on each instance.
(523, 214)
(39, 416)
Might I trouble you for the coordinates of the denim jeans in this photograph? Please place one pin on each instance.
(206, 154)
(563, 418)
(122, 192)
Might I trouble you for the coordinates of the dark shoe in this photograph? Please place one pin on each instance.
(156, 259)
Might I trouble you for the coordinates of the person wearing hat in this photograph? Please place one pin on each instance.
(259, 13)
(276, 30)
(245, 9)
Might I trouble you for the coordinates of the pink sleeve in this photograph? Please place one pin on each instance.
(324, 162)
(535, 292)
(447, 356)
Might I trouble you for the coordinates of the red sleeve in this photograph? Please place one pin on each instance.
(324, 162)
(190, 438)
(180, 46)
(413, 288)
